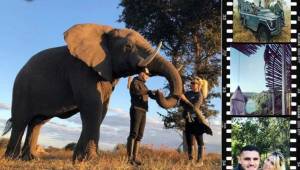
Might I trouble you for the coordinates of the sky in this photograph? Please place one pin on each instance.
(247, 72)
(29, 27)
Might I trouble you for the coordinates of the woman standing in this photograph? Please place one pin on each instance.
(195, 123)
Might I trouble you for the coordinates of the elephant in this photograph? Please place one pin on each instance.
(80, 77)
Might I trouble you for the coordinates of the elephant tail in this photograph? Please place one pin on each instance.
(7, 126)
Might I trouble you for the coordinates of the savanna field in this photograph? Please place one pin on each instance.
(153, 159)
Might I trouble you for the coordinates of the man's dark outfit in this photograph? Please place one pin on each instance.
(193, 127)
(139, 106)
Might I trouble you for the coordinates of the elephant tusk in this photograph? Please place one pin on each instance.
(179, 68)
(148, 60)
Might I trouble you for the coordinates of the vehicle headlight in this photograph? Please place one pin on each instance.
(272, 23)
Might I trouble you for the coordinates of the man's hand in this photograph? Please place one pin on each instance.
(152, 94)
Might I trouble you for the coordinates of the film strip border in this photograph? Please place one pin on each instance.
(295, 104)
(227, 39)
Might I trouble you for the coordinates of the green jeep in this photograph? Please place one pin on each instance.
(261, 20)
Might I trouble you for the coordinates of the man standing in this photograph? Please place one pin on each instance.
(139, 106)
(248, 158)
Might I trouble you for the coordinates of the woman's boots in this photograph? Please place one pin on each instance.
(200, 156)
(199, 161)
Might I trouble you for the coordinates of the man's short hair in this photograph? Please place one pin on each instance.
(145, 70)
(249, 148)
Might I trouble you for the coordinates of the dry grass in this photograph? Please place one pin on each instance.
(154, 159)
(243, 34)
(240, 32)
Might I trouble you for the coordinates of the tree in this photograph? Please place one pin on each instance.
(190, 31)
(191, 36)
(268, 134)
(70, 146)
(263, 102)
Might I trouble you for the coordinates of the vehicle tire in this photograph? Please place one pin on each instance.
(242, 21)
(263, 34)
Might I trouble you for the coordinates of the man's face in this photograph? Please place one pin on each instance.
(249, 160)
(144, 76)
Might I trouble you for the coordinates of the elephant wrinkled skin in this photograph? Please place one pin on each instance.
(80, 77)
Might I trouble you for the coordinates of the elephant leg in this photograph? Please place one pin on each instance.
(14, 144)
(104, 111)
(33, 131)
(87, 145)
(106, 89)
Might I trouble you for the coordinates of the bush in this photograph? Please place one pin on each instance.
(70, 146)
(3, 142)
(120, 147)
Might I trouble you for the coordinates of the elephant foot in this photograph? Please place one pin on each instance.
(80, 157)
(28, 156)
(84, 154)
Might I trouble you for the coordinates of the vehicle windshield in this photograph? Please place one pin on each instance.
(263, 10)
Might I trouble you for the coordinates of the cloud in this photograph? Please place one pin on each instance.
(154, 120)
(215, 120)
(4, 106)
(118, 111)
(115, 130)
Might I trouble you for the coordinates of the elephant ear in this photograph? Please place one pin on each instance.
(86, 42)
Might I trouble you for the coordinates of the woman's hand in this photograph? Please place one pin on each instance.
(183, 97)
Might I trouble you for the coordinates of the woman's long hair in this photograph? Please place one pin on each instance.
(279, 162)
(203, 85)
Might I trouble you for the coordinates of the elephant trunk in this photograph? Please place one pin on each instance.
(159, 66)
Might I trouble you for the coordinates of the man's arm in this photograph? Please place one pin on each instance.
(138, 88)
(152, 94)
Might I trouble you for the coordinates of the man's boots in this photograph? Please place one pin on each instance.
(135, 152)
(130, 146)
